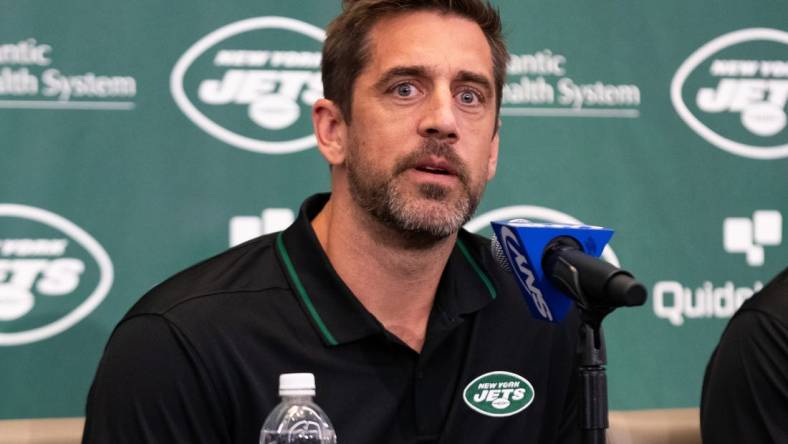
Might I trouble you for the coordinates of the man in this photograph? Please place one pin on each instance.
(413, 333)
(745, 390)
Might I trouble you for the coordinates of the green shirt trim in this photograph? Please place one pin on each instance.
(299, 287)
(486, 280)
(280, 245)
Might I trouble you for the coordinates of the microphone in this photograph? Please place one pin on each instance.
(556, 264)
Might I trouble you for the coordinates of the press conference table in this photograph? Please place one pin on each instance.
(41, 431)
(662, 426)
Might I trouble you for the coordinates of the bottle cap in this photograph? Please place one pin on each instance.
(296, 384)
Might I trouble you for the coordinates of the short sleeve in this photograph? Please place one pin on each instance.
(149, 388)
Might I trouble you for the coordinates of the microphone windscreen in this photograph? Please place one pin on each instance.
(500, 257)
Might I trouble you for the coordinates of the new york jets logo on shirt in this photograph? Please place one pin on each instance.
(499, 394)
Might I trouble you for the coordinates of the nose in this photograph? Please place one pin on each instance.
(438, 120)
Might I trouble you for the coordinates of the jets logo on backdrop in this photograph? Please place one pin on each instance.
(733, 91)
(498, 394)
(534, 214)
(252, 83)
(52, 274)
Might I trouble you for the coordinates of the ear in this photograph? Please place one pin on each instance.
(330, 130)
(492, 161)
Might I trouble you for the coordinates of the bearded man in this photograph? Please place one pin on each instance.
(413, 333)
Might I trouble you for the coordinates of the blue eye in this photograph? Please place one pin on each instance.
(468, 97)
(405, 90)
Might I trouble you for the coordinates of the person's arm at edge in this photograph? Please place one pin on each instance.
(150, 388)
(745, 389)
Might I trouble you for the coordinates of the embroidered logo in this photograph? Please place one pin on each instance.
(499, 394)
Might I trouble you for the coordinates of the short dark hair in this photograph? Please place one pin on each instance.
(346, 49)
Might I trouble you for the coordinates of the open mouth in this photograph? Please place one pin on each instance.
(434, 170)
(435, 165)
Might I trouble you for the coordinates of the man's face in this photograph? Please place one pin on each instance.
(422, 143)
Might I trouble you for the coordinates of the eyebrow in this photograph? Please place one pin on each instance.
(423, 72)
(472, 77)
(400, 71)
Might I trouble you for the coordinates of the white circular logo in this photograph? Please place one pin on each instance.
(276, 86)
(36, 269)
(755, 88)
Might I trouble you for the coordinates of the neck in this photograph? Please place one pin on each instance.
(394, 276)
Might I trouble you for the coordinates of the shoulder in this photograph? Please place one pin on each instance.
(745, 384)
(758, 332)
(771, 301)
(213, 315)
(744, 390)
(247, 268)
(761, 324)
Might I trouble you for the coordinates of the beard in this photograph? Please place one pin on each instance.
(425, 215)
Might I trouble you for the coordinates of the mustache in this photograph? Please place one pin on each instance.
(428, 149)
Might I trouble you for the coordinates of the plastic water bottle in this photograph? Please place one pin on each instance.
(297, 419)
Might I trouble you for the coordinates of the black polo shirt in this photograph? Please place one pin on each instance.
(745, 388)
(197, 359)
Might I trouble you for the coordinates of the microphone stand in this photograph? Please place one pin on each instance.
(591, 350)
(601, 289)
(593, 377)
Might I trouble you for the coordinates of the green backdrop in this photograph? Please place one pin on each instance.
(139, 137)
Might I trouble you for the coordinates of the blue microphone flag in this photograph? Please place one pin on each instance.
(524, 242)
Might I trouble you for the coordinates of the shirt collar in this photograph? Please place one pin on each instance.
(336, 313)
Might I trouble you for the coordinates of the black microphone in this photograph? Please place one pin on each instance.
(551, 266)
(602, 284)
